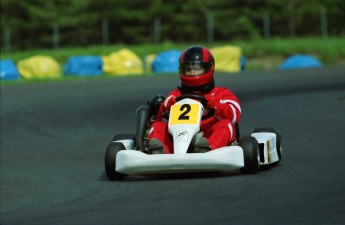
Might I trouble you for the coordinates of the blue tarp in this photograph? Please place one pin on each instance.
(166, 62)
(243, 62)
(300, 61)
(84, 66)
(8, 70)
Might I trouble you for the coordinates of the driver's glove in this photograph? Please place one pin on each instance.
(168, 102)
(211, 102)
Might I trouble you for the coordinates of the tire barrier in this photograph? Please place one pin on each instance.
(299, 61)
(84, 66)
(8, 70)
(229, 59)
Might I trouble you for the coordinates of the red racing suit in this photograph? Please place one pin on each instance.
(219, 129)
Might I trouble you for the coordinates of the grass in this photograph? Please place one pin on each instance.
(260, 54)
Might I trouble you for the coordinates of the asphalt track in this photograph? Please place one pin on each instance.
(54, 134)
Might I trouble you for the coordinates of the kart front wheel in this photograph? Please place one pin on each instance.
(110, 160)
(250, 148)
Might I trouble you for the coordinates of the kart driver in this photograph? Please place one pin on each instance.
(196, 68)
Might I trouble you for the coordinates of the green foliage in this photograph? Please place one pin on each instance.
(80, 22)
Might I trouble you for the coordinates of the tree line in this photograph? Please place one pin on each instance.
(30, 24)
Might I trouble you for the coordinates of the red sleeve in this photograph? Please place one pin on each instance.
(227, 105)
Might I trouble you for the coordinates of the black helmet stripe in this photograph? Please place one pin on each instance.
(193, 54)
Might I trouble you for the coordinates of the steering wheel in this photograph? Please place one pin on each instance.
(200, 98)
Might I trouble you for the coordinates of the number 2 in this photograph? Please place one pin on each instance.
(186, 109)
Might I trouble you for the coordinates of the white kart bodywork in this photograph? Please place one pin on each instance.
(267, 147)
(229, 158)
(136, 162)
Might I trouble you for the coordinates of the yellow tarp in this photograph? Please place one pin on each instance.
(123, 62)
(148, 62)
(227, 58)
(39, 67)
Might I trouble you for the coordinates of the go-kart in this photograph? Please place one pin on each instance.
(128, 154)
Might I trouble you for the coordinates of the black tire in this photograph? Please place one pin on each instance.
(118, 137)
(142, 120)
(278, 140)
(110, 160)
(250, 148)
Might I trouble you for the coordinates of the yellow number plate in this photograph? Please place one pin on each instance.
(184, 114)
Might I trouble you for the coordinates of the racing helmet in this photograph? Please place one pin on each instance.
(196, 67)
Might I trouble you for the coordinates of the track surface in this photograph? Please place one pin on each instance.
(54, 134)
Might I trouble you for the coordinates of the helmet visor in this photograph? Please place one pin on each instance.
(194, 68)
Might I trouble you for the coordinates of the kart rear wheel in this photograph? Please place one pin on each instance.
(278, 140)
(250, 148)
(110, 160)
